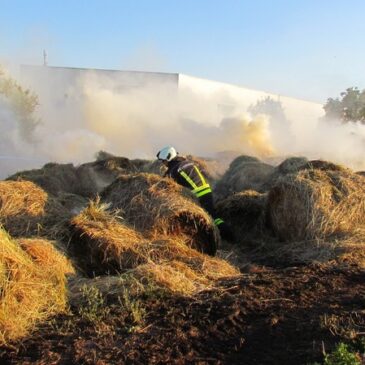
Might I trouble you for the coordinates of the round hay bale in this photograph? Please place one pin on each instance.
(244, 212)
(244, 173)
(317, 203)
(322, 165)
(26, 209)
(291, 164)
(288, 166)
(53, 178)
(72, 202)
(156, 206)
(30, 292)
(239, 161)
(102, 243)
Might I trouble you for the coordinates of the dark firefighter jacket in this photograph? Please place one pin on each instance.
(188, 174)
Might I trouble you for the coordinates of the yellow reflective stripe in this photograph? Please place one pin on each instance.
(200, 175)
(200, 188)
(208, 190)
(187, 178)
(218, 221)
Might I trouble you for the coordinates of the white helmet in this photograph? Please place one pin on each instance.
(167, 153)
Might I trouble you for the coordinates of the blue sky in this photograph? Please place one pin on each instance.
(310, 49)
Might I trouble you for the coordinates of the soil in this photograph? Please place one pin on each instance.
(267, 316)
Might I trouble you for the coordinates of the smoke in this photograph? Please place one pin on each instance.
(135, 114)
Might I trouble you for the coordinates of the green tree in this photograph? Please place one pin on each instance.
(270, 107)
(22, 101)
(350, 107)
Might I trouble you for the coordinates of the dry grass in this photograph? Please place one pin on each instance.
(26, 209)
(156, 206)
(346, 250)
(30, 291)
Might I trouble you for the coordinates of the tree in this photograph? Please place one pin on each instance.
(270, 107)
(350, 108)
(22, 101)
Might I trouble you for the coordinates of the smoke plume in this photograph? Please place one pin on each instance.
(134, 115)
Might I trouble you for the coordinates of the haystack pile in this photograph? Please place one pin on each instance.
(156, 206)
(244, 173)
(26, 209)
(320, 202)
(32, 286)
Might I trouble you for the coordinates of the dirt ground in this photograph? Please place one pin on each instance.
(268, 316)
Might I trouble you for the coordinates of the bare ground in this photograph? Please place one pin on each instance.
(269, 316)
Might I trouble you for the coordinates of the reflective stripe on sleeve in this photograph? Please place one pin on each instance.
(218, 221)
(204, 192)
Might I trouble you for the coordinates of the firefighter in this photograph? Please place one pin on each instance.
(186, 173)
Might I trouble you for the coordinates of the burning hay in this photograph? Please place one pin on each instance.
(317, 203)
(25, 209)
(245, 213)
(156, 206)
(244, 173)
(31, 291)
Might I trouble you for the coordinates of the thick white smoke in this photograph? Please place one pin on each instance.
(134, 115)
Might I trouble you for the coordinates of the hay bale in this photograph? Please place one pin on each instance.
(317, 203)
(156, 206)
(288, 166)
(45, 254)
(102, 242)
(30, 292)
(53, 178)
(26, 209)
(72, 202)
(244, 173)
(291, 164)
(85, 180)
(244, 212)
(323, 165)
